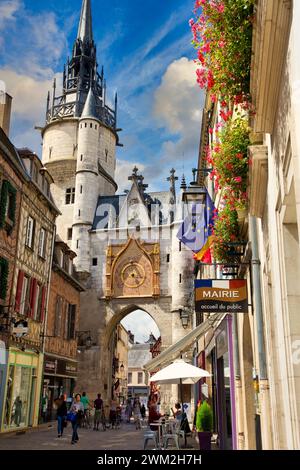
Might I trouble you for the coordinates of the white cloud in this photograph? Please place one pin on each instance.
(178, 104)
(141, 325)
(29, 95)
(123, 170)
(7, 11)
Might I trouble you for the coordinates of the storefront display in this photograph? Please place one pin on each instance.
(22, 394)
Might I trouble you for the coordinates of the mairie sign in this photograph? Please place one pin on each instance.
(221, 295)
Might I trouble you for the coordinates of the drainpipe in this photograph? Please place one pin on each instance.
(257, 297)
(265, 439)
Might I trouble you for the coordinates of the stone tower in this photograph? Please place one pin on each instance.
(79, 141)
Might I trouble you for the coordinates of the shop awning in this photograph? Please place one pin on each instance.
(176, 349)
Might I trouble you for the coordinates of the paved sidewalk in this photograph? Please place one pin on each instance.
(45, 438)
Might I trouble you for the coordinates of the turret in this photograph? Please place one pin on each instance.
(80, 136)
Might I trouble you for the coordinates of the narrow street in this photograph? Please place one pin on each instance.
(45, 438)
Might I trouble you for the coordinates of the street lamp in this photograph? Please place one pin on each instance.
(184, 317)
(195, 194)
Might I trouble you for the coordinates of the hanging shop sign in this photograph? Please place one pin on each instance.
(221, 295)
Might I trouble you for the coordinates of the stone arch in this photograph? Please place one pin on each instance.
(121, 313)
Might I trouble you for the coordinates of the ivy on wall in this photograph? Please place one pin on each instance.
(8, 191)
(4, 269)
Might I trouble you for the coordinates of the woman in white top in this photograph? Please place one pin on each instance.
(78, 409)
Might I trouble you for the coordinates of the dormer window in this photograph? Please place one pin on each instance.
(34, 172)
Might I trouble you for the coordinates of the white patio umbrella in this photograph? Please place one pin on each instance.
(179, 372)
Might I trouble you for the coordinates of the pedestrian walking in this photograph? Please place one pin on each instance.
(86, 405)
(128, 410)
(61, 414)
(98, 406)
(77, 413)
(137, 413)
(143, 411)
(113, 413)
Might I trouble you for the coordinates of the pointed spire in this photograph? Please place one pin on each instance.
(183, 183)
(85, 29)
(90, 107)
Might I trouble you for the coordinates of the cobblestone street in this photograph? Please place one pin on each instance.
(45, 438)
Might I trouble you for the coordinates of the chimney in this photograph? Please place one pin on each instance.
(5, 111)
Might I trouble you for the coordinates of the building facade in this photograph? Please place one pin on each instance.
(12, 178)
(62, 330)
(29, 295)
(254, 356)
(120, 363)
(128, 253)
(138, 381)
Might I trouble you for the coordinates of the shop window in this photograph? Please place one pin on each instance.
(20, 397)
(30, 233)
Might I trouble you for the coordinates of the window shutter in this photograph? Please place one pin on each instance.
(73, 321)
(19, 291)
(33, 289)
(43, 305)
(33, 235)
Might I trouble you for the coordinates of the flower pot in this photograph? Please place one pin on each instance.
(204, 440)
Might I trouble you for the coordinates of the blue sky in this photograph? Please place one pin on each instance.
(145, 47)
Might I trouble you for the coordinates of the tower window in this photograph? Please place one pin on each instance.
(180, 278)
(85, 125)
(79, 213)
(70, 233)
(91, 125)
(180, 246)
(81, 158)
(106, 155)
(168, 258)
(77, 244)
(70, 196)
(95, 261)
(96, 127)
(80, 189)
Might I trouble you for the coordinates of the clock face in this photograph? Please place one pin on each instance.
(133, 275)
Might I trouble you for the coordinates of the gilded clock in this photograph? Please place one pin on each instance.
(133, 275)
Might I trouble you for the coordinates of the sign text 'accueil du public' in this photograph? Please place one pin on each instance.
(221, 295)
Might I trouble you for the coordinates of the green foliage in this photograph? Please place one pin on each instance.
(222, 34)
(4, 269)
(226, 230)
(204, 418)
